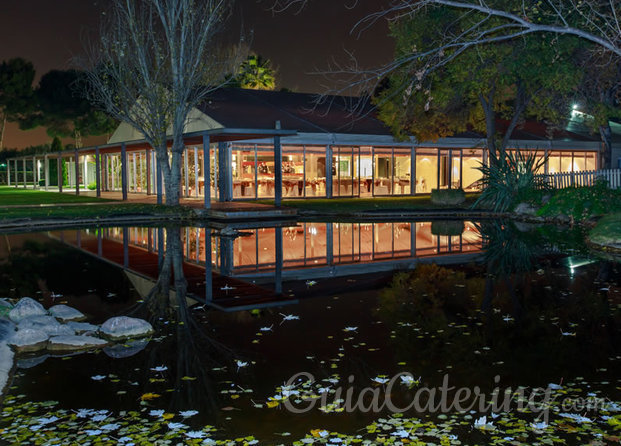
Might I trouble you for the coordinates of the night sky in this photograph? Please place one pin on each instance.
(51, 32)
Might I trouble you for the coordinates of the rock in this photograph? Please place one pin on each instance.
(47, 324)
(447, 227)
(5, 307)
(525, 209)
(64, 343)
(66, 313)
(30, 362)
(127, 349)
(82, 327)
(7, 328)
(6, 364)
(28, 340)
(26, 307)
(123, 327)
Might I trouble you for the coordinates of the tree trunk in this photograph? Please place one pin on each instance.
(490, 122)
(606, 135)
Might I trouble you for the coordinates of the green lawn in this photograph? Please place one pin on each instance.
(99, 211)
(10, 196)
(348, 205)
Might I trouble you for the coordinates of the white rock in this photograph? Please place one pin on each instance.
(74, 343)
(7, 328)
(6, 364)
(123, 327)
(26, 307)
(126, 349)
(82, 327)
(47, 324)
(66, 313)
(28, 340)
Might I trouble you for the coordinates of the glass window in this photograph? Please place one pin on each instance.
(426, 170)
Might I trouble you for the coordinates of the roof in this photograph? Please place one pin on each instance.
(260, 109)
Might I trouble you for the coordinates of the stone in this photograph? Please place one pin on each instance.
(47, 324)
(74, 342)
(123, 327)
(5, 307)
(66, 313)
(26, 307)
(126, 349)
(82, 327)
(7, 328)
(6, 364)
(28, 340)
(31, 361)
(448, 197)
(525, 209)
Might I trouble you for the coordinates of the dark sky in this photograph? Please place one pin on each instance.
(51, 32)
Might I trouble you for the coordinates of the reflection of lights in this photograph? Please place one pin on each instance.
(552, 170)
(312, 230)
(425, 160)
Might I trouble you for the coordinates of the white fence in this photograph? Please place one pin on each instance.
(583, 178)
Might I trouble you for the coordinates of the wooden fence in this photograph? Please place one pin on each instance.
(583, 178)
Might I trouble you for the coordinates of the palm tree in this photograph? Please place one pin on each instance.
(257, 73)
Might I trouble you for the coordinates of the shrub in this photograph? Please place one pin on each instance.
(92, 186)
(509, 179)
(448, 197)
(582, 203)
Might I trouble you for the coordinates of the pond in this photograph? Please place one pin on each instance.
(443, 332)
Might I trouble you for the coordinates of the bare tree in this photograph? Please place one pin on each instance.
(155, 62)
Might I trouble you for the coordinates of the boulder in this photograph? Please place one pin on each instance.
(7, 328)
(28, 340)
(66, 313)
(31, 361)
(123, 327)
(448, 197)
(5, 307)
(525, 209)
(82, 327)
(47, 324)
(6, 364)
(65, 343)
(126, 349)
(26, 307)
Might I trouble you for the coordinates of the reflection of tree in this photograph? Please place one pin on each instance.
(435, 312)
(194, 352)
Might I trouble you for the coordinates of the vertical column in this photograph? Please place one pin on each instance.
(125, 247)
(279, 260)
(208, 269)
(35, 173)
(135, 177)
(99, 243)
(97, 172)
(8, 172)
(24, 172)
(413, 239)
(77, 172)
(158, 180)
(328, 171)
(147, 158)
(46, 169)
(186, 173)
(206, 174)
(16, 180)
(124, 171)
(277, 169)
(225, 171)
(59, 171)
(329, 244)
(413, 171)
(195, 172)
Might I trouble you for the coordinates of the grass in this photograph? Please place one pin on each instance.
(607, 231)
(10, 196)
(348, 205)
(86, 212)
(16, 204)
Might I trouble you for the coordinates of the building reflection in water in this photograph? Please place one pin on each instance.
(271, 254)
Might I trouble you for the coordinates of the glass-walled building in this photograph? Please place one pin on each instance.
(269, 145)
